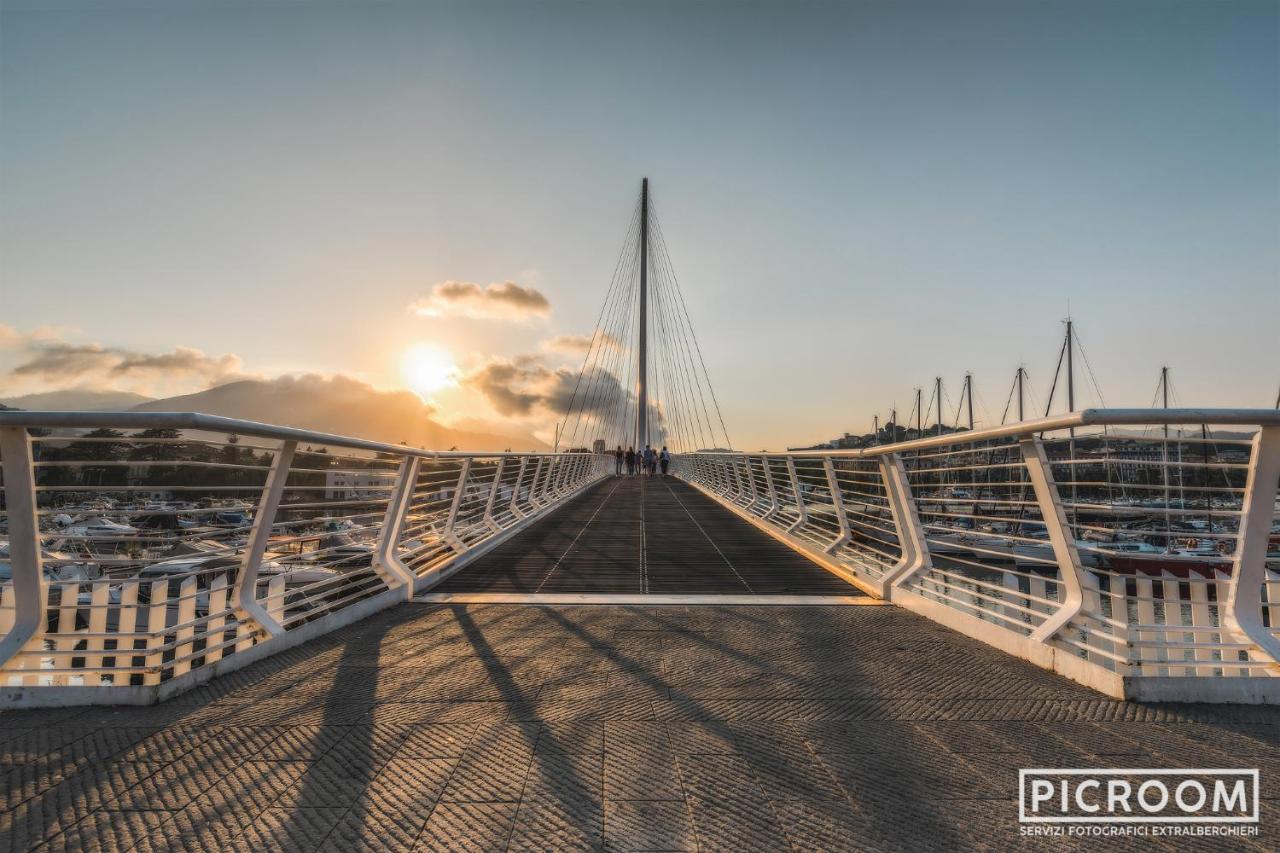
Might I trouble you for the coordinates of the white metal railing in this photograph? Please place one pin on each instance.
(143, 552)
(1137, 551)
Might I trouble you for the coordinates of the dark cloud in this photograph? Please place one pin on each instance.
(62, 361)
(500, 301)
(580, 344)
(524, 387)
(59, 362)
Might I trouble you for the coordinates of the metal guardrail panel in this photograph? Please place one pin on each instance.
(1115, 538)
(142, 548)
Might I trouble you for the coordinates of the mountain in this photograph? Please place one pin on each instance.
(82, 400)
(338, 405)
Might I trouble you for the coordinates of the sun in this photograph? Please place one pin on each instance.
(427, 368)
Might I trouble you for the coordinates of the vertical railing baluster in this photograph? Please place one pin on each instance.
(248, 609)
(516, 489)
(157, 617)
(28, 586)
(1243, 611)
(184, 636)
(837, 499)
(449, 534)
(533, 483)
(386, 550)
(216, 626)
(912, 543)
(489, 520)
(802, 511)
(774, 503)
(751, 481)
(1061, 538)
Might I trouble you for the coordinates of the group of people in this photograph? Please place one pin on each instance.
(648, 461)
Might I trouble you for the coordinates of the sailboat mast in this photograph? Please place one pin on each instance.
(937, 388)
(642, 419)
(1071, 376)
(1164, 458)
(919, 413)
(968, 387)
(1021, 417)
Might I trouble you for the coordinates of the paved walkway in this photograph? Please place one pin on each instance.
(645, 535)
(502, 727)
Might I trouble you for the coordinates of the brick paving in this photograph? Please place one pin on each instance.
(502, 727)
(645, 535)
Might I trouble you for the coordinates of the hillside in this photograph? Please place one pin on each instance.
(337, 405)
(77, 400)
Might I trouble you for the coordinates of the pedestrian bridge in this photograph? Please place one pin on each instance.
(334, 643)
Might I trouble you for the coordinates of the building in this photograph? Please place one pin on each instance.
(357, 485)
(597, 446)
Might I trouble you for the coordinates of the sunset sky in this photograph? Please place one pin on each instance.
(856, 197)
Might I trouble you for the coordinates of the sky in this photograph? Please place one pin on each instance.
(857, 197)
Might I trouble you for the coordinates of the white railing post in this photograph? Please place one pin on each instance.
(533, 484)
(801, 510)
(548, 480)
(837, 500)
(738, 491)
(751, 480)
(489, 520)
(245, 596)
(386, 552)
(515, 490)
(1243, 611)
(449, 535)
(551, 486)
(906, 519)
(28, 587)
(1060, 537)
(774, 504)
(722, 465)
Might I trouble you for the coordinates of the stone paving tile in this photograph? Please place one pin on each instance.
(289, 829)
(110, 832)
(489, 775)
(494, 727)
(640, 774)
(737, 825)
(468, 827)
(631, 825)
(443, 741)
(556, 824)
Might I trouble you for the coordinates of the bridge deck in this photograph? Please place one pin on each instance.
(503, 727)
(644, 535)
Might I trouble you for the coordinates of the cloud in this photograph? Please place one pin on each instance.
(180, 360)
(500, 301)
(580, 344)
(524, 387)
(42, 359)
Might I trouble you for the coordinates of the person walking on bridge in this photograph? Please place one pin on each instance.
(617, 461)
(649, 460)
(664, 459)
(631, 461)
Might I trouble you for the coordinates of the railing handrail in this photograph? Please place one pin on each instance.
(217, 423)
(1084, 417)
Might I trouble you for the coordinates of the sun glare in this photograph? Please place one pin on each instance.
(427, 368)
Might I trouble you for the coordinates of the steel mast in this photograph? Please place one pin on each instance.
(642, 419)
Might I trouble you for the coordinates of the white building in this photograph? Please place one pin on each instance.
(358, 485)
